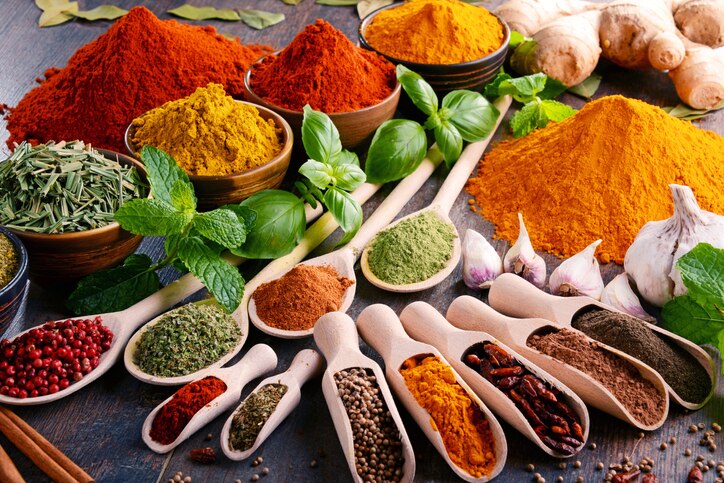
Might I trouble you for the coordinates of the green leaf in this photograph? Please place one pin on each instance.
(366, 7)
(244, 214)
(183, 197)
(472, 115)
(346, 210)
(279, 226)
(516, 38)
(449, 141)
(530, 117)
(319, 136)
(348, 177)
(50, 4)
(344, 157)
(588, 87)
(163, 172)
(190, 12)
(170, 245)
(259, 19)
(397, 149)
(686, 113)
(553, 88)
(702, 271)
(222, 227)
(58, 13)
(292, 2)
(687, 318)
(320, 174)
(222, 280)
(116, 288)
(492, 89)
(556, 111)
(417, 89)
(338, 3)
(151, 217)
(103, 12)
(523, 89)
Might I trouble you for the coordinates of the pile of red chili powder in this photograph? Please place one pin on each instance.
(322, 68)
(137, 65)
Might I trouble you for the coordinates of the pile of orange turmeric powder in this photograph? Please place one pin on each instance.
(601, 173)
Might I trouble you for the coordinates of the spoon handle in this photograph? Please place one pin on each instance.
(469, 158)
(335, 333)
(425, 324)
(381, 329)
(259, 360)
(514, 296)
(305, 365)
(469, 313)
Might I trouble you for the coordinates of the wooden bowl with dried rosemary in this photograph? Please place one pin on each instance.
(60, 200)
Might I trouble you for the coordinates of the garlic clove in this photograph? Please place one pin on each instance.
(522, 260)
(619, 295)
(481, 263)
(578, 275)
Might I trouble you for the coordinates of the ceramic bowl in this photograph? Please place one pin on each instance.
(215, 191)
(59, 260)
(11, 295)
(355, 127)
(443, 78)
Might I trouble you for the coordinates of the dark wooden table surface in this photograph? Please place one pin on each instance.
(100, 426)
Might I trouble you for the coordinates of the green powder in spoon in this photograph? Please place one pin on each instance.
(413, 250)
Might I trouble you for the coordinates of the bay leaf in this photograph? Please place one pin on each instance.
(190, 12)
(686, 113)
(259, 19)
(292, 2)
(588, 87)
(50, 4)
(58, 14)
(365, 7)
(338, 3)
(103, 12)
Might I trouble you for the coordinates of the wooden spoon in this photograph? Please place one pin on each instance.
(441, 206)
(258, 360)
(343, 259)
(469, 313)
(509, 290)
(382, 330)
(426, 324)
(336, 336)
(306, 364)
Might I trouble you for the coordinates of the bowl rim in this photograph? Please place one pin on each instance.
(23, 267)
(287, 139)
(258, 100)
(113, 226)
(364, 23)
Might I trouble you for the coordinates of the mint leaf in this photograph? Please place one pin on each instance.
(221, 226)
(348, 177)
(523, 89)
(492, 90)
(702, 270)
(420, 92)
(472, 115)
(553, 88)
(183, 197)
(244, 214)
(279, 226)
(114, 289)
(151, 217)
(319, 136)
(556, 111)
(222, 280)
(318, 173)
(530, 117)
(346, 210)
(700, 324)
(163, 172)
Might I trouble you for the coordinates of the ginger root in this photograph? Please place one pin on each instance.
(699, 80)
(528, 16)
(701, 21)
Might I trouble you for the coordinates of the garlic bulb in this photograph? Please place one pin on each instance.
(481, 263)
(619, 295)
(579, 275)
(651, 259)
(522, 260)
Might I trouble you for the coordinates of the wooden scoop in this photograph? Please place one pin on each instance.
(426, 324)
(509, 291)
(469, 313)
(441, 206)
(382, 330)
(306, 364)
(260, 359)
(336, 336)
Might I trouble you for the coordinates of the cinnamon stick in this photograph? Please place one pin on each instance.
(8, 472)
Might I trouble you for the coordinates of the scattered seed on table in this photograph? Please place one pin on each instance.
(530, 468)
(641, 434)
(562, 465)
(187, 479)
(577, 464)
(699, 458)
(599, 466)
(672, 440)
(559, 479)
(579, 479)
(237, 481)
(715, 427)
(177, 478)
(687, 452)
(254, 477)
(663, 446)
(701, 425)
(265, 471)
(209, 437)
(693, 428)
(313, 463)
(592, 446)
(537, 475)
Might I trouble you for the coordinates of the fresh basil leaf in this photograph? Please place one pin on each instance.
(556, 111)
(103, 12)
(702, 271)
(397, 149)
(449, 141)
(183, 197)
(588, 87)
(366, 7)
(472, 115)
(320, 174)
(163, 172)
(244, 214)
(221, 279)
(344, 157)
(259, 19)
(553, 88)
(116, 288)
(516, 38)
(492, 89)
(348, 177)
(319, 135)
(523, 89)
(190, 12)
(279, 226)
(530, 117)
(346, 210)
(151, 217)
(419, 91)
(222, 227)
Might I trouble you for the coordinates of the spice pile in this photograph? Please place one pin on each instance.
(9, 261)
(185, 340)
(209, 134)
(322, 68)
(137, 65)
(253, 413)
(50, 358)
(377, 442)
(463, 428)
(598, 174)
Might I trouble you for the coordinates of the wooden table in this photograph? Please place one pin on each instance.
(99, 427)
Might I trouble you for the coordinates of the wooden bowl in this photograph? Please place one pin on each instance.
(355, 127)
(11, 295)
(443, 78)
(64, 258)
(215, 191)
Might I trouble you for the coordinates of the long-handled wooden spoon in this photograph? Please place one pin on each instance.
(441, 206)
(336, 336)
(469, 313)
(516, 297)
(382, 330)
(426, 324)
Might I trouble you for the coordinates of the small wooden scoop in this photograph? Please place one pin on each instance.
(260, 359)
(516, 297)
(336, 336)
(469, 313)
(426, 324)
(306, 364)
(382, 330)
